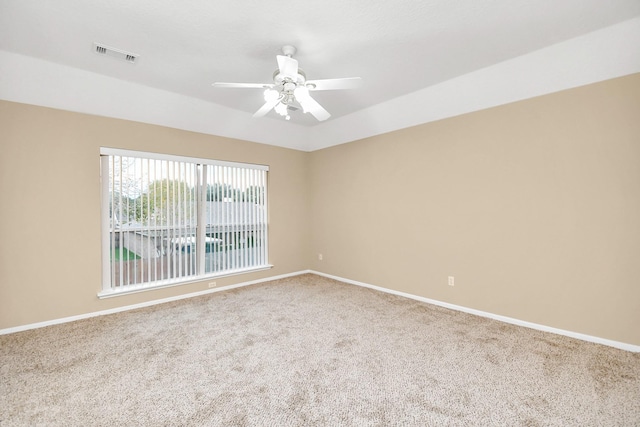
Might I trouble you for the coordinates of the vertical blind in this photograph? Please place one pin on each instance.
(169, 219)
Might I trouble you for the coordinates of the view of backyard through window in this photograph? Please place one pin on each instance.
(169, 219)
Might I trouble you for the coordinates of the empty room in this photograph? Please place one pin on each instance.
(405, 213)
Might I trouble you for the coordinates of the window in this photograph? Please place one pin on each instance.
(168, 220)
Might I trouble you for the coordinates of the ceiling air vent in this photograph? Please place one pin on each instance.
(115, 53)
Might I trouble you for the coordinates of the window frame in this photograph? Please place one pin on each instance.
(200, 190)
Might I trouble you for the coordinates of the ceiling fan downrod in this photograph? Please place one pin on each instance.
(289, 50)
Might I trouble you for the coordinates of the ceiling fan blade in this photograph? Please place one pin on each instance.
(316, 109)
(310, 105)
(288, 67)
(334, 84)
(268, 106)
(243, 85)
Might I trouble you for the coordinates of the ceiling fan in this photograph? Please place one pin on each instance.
(290, 88)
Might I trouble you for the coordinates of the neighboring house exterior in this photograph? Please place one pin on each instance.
(228, 223)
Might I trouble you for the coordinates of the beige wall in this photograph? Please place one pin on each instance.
(50, 207)
(533, 207)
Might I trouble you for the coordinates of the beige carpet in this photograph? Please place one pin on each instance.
(309, 351)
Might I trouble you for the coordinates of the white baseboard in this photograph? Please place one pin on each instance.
(144, 304)
(518, 322)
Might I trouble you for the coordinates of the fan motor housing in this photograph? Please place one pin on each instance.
(279, 79)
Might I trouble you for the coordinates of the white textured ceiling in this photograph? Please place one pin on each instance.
(406, 51)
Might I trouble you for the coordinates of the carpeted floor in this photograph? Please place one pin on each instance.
(308, 351)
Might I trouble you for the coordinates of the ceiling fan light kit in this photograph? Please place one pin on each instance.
(290, 88)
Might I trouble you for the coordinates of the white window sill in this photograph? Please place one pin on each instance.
(132, 289)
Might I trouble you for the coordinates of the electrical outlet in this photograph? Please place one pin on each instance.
(212, 284)
(320, 257)
(451, 281)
